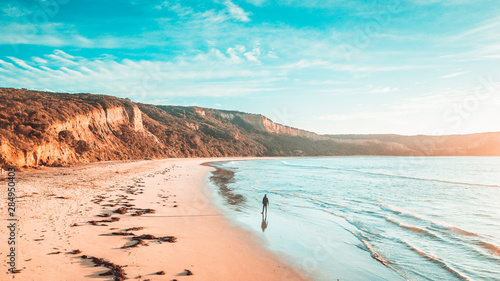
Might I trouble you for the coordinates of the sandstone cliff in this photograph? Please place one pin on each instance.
(40, 128)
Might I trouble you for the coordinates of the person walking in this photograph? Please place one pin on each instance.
(265, 203)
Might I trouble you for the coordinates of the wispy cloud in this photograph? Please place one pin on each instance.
(253, 55)
(342, 67)
(6, 64)
(23, 64)
(229, 11)
(14, 11)
(211, 74)
(236, 12)
(453, 74)
(491, 24)
(382, 90)
(46, 34)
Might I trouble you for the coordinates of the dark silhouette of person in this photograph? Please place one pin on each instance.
(265, 203)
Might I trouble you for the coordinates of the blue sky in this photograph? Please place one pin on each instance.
(406, 67)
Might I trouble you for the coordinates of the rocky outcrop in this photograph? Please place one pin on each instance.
(266, 125)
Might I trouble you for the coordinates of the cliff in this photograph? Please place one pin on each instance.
(42, 128)
(39, 128)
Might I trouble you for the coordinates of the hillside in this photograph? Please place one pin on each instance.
(44, 128)
(484, 144)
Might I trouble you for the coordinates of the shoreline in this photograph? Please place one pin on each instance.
(67, 212)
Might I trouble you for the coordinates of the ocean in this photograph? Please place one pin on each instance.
(371, 218)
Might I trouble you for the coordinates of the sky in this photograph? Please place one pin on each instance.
(333, 67)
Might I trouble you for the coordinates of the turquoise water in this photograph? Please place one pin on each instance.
(374, 218)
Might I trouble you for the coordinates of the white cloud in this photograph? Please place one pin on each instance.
(327, 82)
(214, 53)
(235, 52)
(71, 72)
(6, 64)
(382, 90)
(63, 54)
(348, 67)
(164, 4)
(14, 12)
(176, 8)
(272, 55)
(61, 35)
(210, 74)
(305, 63)
(48, 34)
(491, 24)
(234, 55)
(454, 74)
(252, 56)
(236, 12)
(231, 11)
(476, 44)
(61, 59)
(39, 60)
(23, 64)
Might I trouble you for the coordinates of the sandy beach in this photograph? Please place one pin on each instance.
(144, 220)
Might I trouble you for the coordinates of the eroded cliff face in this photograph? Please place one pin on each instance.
(38, 131)
(264, 124)
(80, 139)
(100, 122)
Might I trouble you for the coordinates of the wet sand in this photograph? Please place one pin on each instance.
(142, 220)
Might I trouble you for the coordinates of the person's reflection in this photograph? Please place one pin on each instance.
(264, 223)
